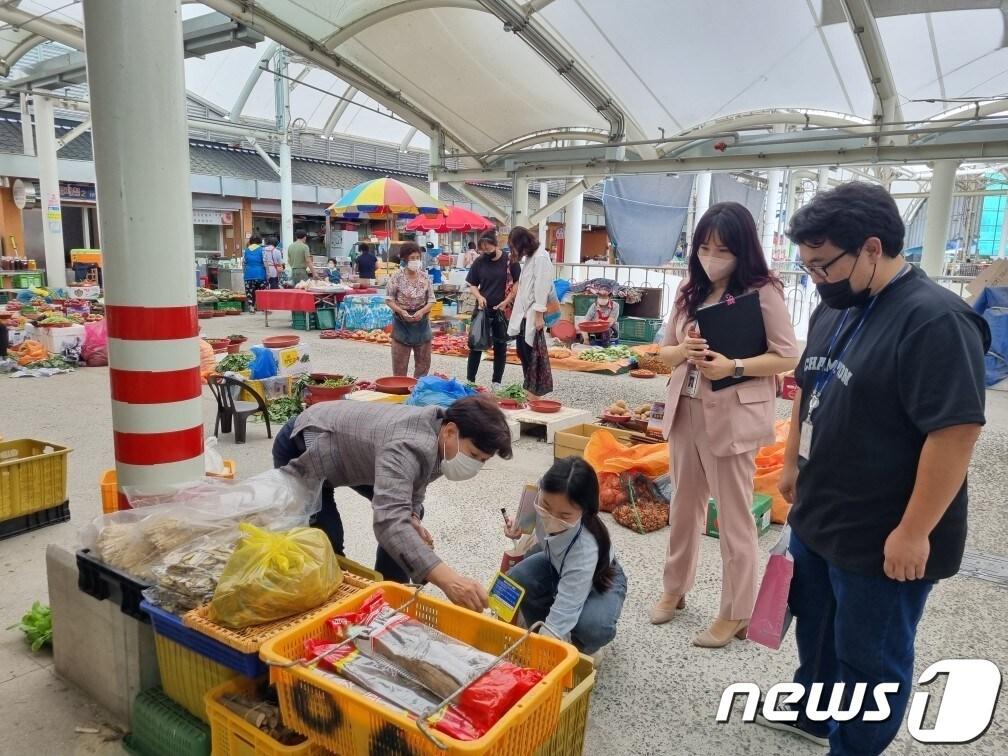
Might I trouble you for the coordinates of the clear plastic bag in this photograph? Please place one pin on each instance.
(275, 575)
(213, 462)
(139, 539)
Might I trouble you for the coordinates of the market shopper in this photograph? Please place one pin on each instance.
(273, 259)
(367, 264)
(603, 308)
(572, 580)
(254, 269)
(528, 317)
(492, 280)
(299, 257)
(389, 454)
(714, 434)
(890, 405)
(409, 293)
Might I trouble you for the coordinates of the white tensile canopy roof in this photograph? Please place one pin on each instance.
(497, 73)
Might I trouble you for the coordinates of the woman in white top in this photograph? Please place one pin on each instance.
(528, 318)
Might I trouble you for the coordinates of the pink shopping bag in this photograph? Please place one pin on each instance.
(771, 616)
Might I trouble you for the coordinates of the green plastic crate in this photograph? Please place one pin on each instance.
(583, 301)
(30, 280)
(304, 321)
(161, 727)
(760, 511)
(326, 317)
(230, 304)
(639, 330)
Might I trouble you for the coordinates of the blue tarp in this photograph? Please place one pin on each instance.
(993, 306)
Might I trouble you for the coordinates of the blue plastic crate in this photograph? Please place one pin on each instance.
(170, 626)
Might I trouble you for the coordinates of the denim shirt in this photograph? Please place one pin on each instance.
(576, 572)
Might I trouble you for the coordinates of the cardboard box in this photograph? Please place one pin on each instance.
(295, 360)
(572, 441)
(760, 512)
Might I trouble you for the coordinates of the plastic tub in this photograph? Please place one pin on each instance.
(397, 384)
(162, 728)
(100, 581)
(233, 736)
(33, 476)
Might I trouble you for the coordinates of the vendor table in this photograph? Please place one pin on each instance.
(301, 300)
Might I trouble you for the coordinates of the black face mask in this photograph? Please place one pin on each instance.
(839, 294)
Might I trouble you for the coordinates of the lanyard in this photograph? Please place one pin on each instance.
(563, 559)
(823, 382)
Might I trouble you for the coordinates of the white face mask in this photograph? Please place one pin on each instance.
(414, 264)
(552, 524)
(459, 467)
(717, 268)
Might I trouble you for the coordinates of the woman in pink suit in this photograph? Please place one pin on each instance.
(713, 435)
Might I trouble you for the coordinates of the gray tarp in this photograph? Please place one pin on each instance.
(645, 215)
(724, 188)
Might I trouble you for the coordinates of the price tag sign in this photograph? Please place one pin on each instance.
(289, 358)
(505, 597)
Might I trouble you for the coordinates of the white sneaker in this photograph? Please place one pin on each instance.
(496, 388)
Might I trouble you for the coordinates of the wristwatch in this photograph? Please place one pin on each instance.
(739, 369)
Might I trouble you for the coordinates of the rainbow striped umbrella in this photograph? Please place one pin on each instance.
(385, 197)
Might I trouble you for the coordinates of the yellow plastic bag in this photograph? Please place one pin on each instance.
(274, 575)
(607, 455)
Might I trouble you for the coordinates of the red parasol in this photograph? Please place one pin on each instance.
(455, 219)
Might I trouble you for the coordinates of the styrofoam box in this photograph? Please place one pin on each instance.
(295, 360)
(66, 342)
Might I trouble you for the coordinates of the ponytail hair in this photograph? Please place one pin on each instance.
(575, 479)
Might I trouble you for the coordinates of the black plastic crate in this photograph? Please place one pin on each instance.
(97, 579)
(35, 520)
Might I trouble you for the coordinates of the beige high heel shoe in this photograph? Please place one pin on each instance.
(665, 609)
(709, 639)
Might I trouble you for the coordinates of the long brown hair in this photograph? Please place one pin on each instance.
(736, 229)
(523, 241)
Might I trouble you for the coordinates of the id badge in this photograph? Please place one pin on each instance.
(692, 384)
(805, 442)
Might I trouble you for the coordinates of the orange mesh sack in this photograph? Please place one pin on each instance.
(607, 455)
(769, 463)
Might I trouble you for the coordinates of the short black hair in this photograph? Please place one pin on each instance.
(847, 215)
(363, 247)
(472, 245)
(479, 418)
(302, 234)
(255, 239)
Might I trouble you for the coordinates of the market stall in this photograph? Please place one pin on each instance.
(307, 300)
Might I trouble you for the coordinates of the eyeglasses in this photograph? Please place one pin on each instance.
(821, 271)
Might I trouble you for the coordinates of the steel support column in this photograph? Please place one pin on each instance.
(1003, 243)
(770, 208)
(519, 202)
(27, 139)
(282, 98)
(939, 213)
(141, 151)
(543, 201)
(52, 213)
(573, 217)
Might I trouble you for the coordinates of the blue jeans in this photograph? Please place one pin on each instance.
(285, 449)
(597, 625)
(854, 628)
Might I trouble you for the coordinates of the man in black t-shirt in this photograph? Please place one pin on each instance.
(494, 282)
(891, 402)
(367, 263)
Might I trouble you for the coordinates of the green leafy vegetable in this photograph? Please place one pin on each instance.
(235, 363)
(340, 382)
(283, 409)
(607, 354)
(36, 624)
(514, 391)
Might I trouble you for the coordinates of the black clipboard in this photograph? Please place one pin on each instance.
(733, 327)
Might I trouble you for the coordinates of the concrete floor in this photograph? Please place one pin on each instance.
(656, 693)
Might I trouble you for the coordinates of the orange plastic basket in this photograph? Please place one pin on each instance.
(113, 502)
(346, 722)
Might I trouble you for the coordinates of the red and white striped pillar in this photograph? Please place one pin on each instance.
(141, 152)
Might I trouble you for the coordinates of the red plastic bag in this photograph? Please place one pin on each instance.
(94, 351)
(612, 493)
(441, 663)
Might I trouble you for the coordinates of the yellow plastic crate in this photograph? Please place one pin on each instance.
(187, 676)
(568, 739)
(233, 736)
(346, 722)
(33, 476)
(110, 489)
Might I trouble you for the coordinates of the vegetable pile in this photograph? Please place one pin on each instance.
(235, 363)
(514, 391)
(452, 345)
(607, 354)
(36, 624)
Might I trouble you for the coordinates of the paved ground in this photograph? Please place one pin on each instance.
(656, 693)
